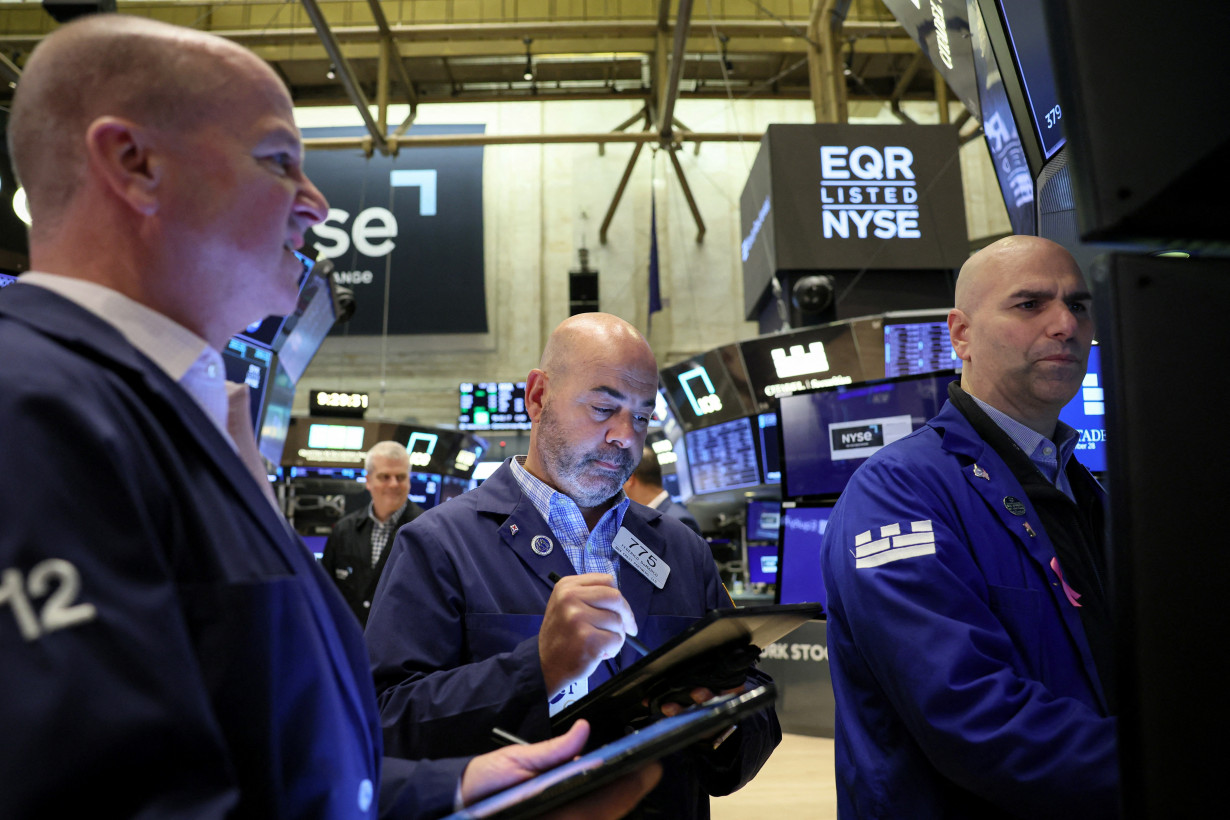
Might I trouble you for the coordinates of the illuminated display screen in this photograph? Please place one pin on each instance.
(709, 389)
(770, 448)
(425, 489)
(827, 435)
(1027, 34)
(248, 364)
(722, 457)
(6, 279)
(493, 406)
(807, 359)
(763, 520)
(799, 580)
(762, 563)
(918, 347)
(335, 437)
(1087, 414)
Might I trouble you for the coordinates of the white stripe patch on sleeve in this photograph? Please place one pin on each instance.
(893, 545)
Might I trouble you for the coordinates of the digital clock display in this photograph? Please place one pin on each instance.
(338, 403)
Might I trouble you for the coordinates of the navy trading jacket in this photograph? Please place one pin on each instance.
(453, 634)
(964, 682)
(168, 647)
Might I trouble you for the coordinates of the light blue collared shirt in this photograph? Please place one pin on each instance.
(177, 351)
(588, 551)
(1051, 458)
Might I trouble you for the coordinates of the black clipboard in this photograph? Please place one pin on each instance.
(716, 652)
(575, 778)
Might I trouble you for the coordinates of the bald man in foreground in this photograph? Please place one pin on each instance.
(468, 629)
(969, 635)
(168, 647)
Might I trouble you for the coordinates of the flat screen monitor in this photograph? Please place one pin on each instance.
(799, 580)
(297, 336)
(336, 436)
(305, 329)
(709, 389)
(492, 406)
(425, 489)
(316, 543)
(762, 563)
(770, 448)
(800, 360)
(763, 520)
(828, 434)
(722, 457)
(250, 364)
(921, 345)
(275, 415)
(1087, 414)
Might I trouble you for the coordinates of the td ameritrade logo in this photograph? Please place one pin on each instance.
(868, 191)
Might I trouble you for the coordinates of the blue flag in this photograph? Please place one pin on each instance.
(655, 295)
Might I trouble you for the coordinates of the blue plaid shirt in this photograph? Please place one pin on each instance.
(588, 551)
(1049, 457)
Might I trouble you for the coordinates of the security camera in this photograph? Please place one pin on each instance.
(812, 294)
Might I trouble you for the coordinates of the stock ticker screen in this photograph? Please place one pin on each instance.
(492, 406)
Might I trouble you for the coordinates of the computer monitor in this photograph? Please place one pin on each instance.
(770, 448)
(1087, 414)
(917, 342)
(492, 406)
(425, 489)
(799, 580)
(828, 434)
(722, 457)
(763, 520)
(250, 364)
(762, 563)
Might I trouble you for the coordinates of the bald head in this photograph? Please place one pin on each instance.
(1022, 328)
(151, 73)
(1010, 258)
(590, 401)
(583, 341)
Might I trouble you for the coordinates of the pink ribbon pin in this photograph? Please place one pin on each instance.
(1067, 590)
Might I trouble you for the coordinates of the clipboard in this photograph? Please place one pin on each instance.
(715, 652)
(575, 778)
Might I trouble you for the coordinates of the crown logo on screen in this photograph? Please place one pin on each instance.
(798, 362)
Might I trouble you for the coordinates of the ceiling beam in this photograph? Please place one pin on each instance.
(345, 73)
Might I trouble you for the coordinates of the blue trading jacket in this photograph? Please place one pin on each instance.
(964, 683)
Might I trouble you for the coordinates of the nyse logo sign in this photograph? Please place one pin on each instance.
(868, 191)
(405, 233)
(374, 229)
(854, 438)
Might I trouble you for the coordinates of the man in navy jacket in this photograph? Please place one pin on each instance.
(969, 633)
(469, 630)
(168, 647)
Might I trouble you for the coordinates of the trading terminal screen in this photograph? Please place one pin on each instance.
(492, 406)
(722, 457)
(918, 347)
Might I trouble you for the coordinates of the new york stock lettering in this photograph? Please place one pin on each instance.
(868, 192)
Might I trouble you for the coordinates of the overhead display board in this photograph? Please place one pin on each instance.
(851, 197)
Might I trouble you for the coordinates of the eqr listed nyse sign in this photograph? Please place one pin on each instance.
(868, 191)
